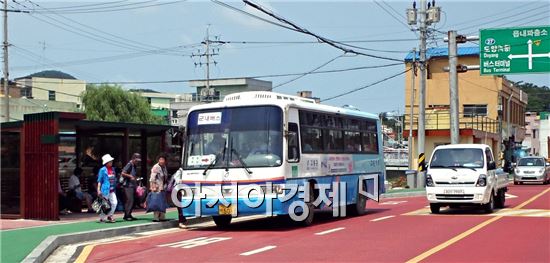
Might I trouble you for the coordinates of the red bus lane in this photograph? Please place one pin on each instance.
(393, 230)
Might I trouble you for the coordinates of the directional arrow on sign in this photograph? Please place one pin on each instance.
(530, 54)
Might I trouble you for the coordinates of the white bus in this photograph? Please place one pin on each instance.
(257, 145)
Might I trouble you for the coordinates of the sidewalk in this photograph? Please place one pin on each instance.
(19, 237)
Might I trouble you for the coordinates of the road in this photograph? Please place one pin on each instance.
(394, 230)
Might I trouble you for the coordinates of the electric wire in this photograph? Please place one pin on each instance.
(366, 86)
(330, 42)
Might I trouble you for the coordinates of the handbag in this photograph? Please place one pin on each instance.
(156, 202)
(101, 205)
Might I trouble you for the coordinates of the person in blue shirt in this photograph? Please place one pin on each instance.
(106, 183)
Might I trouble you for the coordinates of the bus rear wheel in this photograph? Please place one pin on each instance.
(359, 208)
(222, 221)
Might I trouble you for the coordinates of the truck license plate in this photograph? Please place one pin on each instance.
(453, 191)
(226, 210)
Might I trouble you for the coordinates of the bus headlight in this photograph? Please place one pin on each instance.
(482, 180)
(429, 180)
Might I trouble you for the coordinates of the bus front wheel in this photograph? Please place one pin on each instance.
(222, 221)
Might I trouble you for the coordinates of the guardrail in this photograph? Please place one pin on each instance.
(440, 120)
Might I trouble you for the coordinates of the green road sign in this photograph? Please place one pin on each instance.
(514, 50)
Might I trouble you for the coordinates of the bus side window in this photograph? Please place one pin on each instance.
(293, 143)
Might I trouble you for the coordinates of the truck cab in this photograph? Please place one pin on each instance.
(465, 174)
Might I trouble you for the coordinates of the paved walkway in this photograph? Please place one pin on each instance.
(19, 237)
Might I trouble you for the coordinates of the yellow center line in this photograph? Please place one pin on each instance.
(87, 250)
(470, 231)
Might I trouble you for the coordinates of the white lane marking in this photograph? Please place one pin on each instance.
(509, 196)
(259, 250)
(393, 202)
(381, 218)
(195, 242)
(330, 231)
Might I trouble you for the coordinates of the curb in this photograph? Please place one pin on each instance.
(51, 243)
(404, 194)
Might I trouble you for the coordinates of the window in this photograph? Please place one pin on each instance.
(352, 139)
(174, 113)
(534, 133)
(26, 92)
(472, 110)
(312, 139)
(51, 94)
(332, 133)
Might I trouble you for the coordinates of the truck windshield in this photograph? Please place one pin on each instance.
(468, 158)
(531, 162)
(234, 138)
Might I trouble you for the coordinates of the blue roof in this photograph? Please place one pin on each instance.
(444, 52)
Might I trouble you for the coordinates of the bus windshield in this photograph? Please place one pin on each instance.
(234, 137)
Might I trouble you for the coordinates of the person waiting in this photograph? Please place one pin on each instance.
(76, 189)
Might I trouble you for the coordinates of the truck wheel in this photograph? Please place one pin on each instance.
(501, 198)
(490, 206)
(222, 221)
(435, 208)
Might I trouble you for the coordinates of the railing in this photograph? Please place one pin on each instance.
(396, 157)
(440, 120)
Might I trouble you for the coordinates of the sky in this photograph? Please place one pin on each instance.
(155, 41)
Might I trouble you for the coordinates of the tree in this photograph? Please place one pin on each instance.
(538, 97)
(111, 103)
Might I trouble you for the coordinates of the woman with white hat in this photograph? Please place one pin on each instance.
(106, 183)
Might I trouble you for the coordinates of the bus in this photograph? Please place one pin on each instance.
(254, 149)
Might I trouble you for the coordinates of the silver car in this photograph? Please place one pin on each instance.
(532, 169)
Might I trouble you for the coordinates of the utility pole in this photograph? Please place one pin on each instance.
(6, 73)
(207, 43)
(422, 81)
(429, 14)
(454, 68)
(453, 87)
(413, 80)
(207, 94)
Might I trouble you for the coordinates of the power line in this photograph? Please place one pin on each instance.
(135, 43)
(256, 77)
(498, 14)
(309, 72)
(251, 15)
(400, 20)
(125, 7)
(366, 86)
(508, 22)
(161, 51)
(330, 42)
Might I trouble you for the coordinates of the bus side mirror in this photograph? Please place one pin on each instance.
(293, 154)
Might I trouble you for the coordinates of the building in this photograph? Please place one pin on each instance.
(160, 102)
(544, 133)
(219, 88)
(52, 85)
(531, 143)
(21, 106)
(485, 102)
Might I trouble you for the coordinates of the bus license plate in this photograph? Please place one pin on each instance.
(453, 191)
(225, 210)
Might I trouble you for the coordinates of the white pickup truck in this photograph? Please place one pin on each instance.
(465, 174)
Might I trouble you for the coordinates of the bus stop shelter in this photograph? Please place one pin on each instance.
(42, 150)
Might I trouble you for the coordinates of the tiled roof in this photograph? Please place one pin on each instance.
(444, 52)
